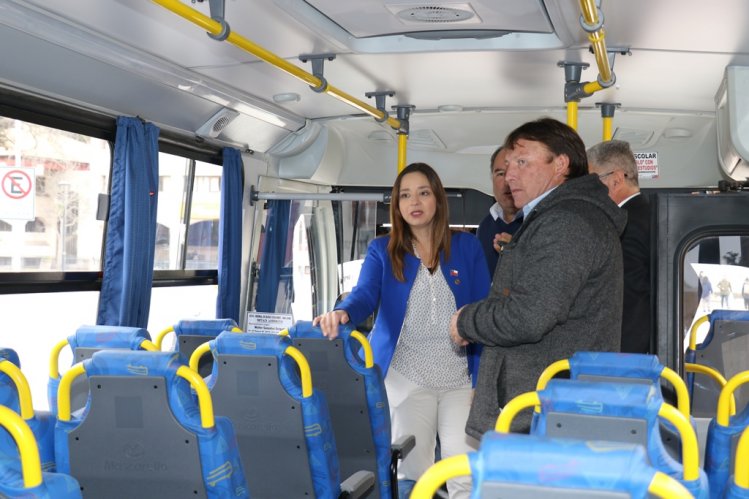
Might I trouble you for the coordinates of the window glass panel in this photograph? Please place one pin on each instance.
(173, 176)
(715, 277)
(48, 201)
(202, 234)
(170, 305)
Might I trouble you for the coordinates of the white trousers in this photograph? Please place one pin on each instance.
(424, 413)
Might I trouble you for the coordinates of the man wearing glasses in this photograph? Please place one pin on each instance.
(615, 165)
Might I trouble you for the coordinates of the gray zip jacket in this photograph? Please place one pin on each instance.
(557, 289)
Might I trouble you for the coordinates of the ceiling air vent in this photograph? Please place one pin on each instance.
(430, 14)
(214, 126)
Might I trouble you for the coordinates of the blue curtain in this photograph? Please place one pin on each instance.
(274, 254)
(125, 296)
(230, 240)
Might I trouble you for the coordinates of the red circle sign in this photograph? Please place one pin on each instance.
(16, 184)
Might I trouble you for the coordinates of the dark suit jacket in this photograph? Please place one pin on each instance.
(637, 319)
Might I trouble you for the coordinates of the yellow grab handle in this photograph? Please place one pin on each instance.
(402, 148)
(149, 346)
(304, 370)
(31, 466)
(204, 396)
(690, 456)
(197, 354)
(63, 391)
(22, 386)
(283, 332)
(682, 393)
(54, 369)
(368, 355)
(439, 473)
(514, 406)
(160, 337)
(572, 107)
(667, 487)
(693, 331)
(709, 371)
(726, 395)
(551, 371)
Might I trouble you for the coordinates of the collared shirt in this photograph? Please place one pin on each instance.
(624, 201)
(497, 213)
(532, 204)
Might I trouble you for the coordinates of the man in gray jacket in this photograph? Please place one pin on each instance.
(558, 285)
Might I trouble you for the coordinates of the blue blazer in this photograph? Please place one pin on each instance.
(465, 272)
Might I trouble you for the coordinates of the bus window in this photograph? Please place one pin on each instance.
(48, 214)
(715, 277)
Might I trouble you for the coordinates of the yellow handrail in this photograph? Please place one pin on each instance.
(215, 28)
(149, 346)
(402, 146)
(741, 470)
(715, 375)
(204, 396)
(63, 391)
(690, 456)
(197, 354)
(368, 355)
(514, 406)
(54, 368)
(31, 466)
(439, 473)
(597, 38)
(552, 370)
(22, 387)
(722, 416)
(608, 128)
(160, 337)
(572, 114)
(304, 370)
(682, 393)
(666, 487)
(693, 331)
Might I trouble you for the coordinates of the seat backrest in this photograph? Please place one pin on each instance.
(142, 433)
(278, 416)
(14, 388)
(529, 466)
(723, 436)
(84, 343)
(622, 412)
(20, 467)
(738, 487)
(723, 349)
(355, 391)
(193, 333)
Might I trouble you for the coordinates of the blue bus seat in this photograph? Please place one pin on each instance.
(15, 394)
(525, 466)
(193, 333)
(621, 412)
(21, 474)
(627, 368)
(359, 409)
(723, 436)
(86, 341)
(738, 487)
(282, 422)
(723, 350)
(143, 434)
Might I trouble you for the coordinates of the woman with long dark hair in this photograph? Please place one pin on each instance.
(416, 277)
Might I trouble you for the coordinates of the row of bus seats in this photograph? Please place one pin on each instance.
(129, 381)
(575, 422)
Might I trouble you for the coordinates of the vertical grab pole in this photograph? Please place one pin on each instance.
(403, 113)
(607, 116)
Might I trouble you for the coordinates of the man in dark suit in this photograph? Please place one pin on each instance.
(615, 166)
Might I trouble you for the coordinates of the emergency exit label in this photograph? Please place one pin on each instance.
(261, 322)
(17, 188)
(647, 164)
